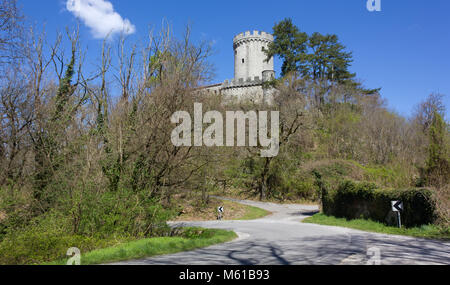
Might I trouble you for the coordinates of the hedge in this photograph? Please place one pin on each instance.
(354, 200)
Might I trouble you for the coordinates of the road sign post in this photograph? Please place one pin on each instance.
(397, 206)
(220, 211)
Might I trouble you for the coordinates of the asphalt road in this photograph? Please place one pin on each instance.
(281, 239)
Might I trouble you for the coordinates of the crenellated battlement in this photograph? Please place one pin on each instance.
(255, 35)
(250, 59)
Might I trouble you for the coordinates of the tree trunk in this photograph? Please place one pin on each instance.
(263, 190)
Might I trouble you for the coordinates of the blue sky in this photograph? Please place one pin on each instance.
(404, 49)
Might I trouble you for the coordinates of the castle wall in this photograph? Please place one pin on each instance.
(241, 68)
(249, 91)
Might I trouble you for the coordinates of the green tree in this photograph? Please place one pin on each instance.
(322, 59)
(438, 167)
(317, 56)
(328, 59)
(46, 146)
(290, 44)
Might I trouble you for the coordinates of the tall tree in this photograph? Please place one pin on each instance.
(328, 59)
(290, 44)
(438, 166)
(425, 111)
(11, 37)
(320, 58)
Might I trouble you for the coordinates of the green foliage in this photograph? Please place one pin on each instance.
(334, 169)
(289, 45)
(328, 59)
(65, 89)
(185, 240)
(89, 222)
(365, 200)
(296, 185)
(197, 233)
(122, 212)
(47, 243)
(46, 238)
(318, 57)
(395, 175)
(284, 180)
(13, 210)
(48, 157)
(437, 171)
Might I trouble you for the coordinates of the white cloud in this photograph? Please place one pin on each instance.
(100, 17)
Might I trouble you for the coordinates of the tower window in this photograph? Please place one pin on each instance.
(243, 60)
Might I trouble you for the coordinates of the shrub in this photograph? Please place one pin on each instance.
(364, 200)
(298, 187)
(45, 239)
(34, 247)
(196, 233)
(88, 221)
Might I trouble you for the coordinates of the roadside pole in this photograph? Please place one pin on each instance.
(397, 206)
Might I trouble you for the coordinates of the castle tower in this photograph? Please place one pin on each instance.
(249, 57)
(250, 70)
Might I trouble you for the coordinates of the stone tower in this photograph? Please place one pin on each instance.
(249, 57)
(250, 70)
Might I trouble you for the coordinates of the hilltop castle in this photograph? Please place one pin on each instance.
(250, 69)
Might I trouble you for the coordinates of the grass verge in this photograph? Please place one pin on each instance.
(153, 247)
(233, 211)
(253, 213)
(427, 231)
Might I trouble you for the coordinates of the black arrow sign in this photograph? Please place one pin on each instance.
(399, 206)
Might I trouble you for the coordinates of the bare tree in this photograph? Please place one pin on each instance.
(291, 99)
(425, 111)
